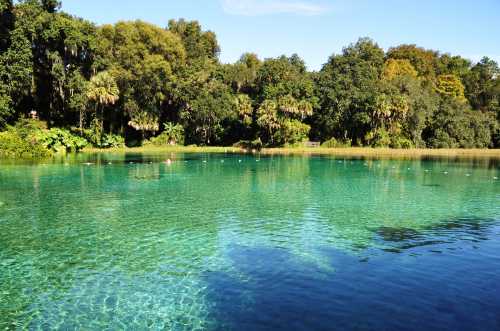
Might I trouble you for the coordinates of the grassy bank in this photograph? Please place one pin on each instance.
(389, 152)
(165, 149)
(351, 151)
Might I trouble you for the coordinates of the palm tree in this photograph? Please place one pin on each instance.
(103, 91)
(144, 121)
(267, 118)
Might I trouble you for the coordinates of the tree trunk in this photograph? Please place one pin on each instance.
(81, 122)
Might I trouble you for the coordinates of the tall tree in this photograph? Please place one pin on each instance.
(241, 76)
(146, 61)
(483, 85)
(78, 97)
(204, 114)
(348, 86)
(199, 44)
(102, 91)
(285, 97)
(6, 23)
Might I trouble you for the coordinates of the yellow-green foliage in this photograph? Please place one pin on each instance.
(334, 143)
(13, 144)
(396, 68)
(450, 85)
(243, 105)
(421, 59)
(293, 132)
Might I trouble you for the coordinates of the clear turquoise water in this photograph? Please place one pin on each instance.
(232, 242)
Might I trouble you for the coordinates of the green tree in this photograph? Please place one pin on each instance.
(45, 48)
(146, 62)
(285, 95)
(204, 114)
(5, 107)
(292, 131)
(455, 126)
(102, 91)
(483, 86)
(51, 6)
(144, 121)
(199, 44)
(267, 118)
(16, 58)
(6, 23)
(78, 96)
(348, 85)
(139, 75)
(244, 108)
(241, 76)
(423, 102)
(454, 65)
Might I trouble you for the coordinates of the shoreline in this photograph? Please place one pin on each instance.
(308, 151)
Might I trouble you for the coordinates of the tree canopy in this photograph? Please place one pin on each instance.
(138, 82)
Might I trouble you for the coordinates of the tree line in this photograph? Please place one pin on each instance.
(137, 83)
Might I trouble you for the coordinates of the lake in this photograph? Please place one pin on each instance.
(249, 242)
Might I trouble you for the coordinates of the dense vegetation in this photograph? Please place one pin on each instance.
(136, 83)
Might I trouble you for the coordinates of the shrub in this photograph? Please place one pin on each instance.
(112, 141)
(334, 143)
(247, 144)
(30, 138)
(97, 139)
(60, 140)
(292, 132)
(171, 135)
(93, 134)
(21, 144)
(401, 142)
(26, 127)
(378, 138)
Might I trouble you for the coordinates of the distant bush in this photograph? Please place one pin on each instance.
(250, 144)
(171, 135)
(102, 140)
(12, 145)
(112, 141)
(20, 141)
(334, 143)
(383, 138)
(401, 142)
(378, 138)
(292, 133)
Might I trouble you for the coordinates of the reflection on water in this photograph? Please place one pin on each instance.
(249, 242)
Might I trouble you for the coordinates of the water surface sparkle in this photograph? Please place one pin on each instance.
(218, 242)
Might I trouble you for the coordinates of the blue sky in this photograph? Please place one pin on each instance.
(315, 29)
